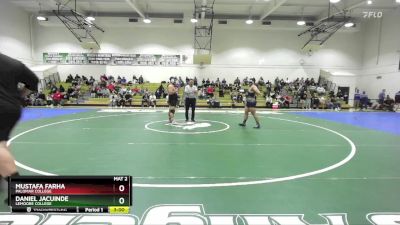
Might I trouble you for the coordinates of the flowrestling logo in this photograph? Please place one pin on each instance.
(189, 126)
(187, 215)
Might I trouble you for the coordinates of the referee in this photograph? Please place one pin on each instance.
(190, 99)
(12, 73)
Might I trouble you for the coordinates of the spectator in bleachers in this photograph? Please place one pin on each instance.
(111, 87)
(57, 98)
(153, 100)
(91, 81)
(261, 81)
(159, 92)
(315, 103)
(104, 78)
(237, 81)
(135, 91)
(333, 104)
(210, 91)
(128, 98)
(246, 81)
(69, 79)
(202, 93)
(223, 83)
(114, 99)
(53, 89)
(141, 80)
(145, 99)
(61, 88)
(388, 104)
(40, 99)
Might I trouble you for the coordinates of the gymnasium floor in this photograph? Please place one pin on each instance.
(298, 163)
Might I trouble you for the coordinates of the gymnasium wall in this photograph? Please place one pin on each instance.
(236, 52)
(381, 55)
(15, 33)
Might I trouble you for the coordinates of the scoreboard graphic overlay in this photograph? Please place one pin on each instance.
(70, 194)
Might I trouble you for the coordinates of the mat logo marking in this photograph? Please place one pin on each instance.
(190, 126)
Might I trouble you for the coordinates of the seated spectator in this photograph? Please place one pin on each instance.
(388, 104)
(202, 93)
(210, 91)
(320, 90)
(213, 103)
(111, 87)
(91, 81)
(69, 79)
(123, 80)
(146, 100)
(49, 100)
(40, 99)
(128, 98)
(153, 100)
(237, 81)
(195, 81)
(53, 89)
(315, 101)
(84, 79)
(114, 99)
(61, 88)
(333, 104)
(121, 100)
(104, 78)
(57, 98)
(141, 80)
(77, 77)
(135, 91)
(261, 81)
(246, 81)
(93, 91)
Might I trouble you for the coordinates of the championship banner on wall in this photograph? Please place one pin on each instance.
(111, 59)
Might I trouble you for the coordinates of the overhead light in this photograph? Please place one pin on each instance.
(334, 1)
(146, 20)
(194, 20)
(249, 21)
(369, 2)
(301, 22)
(90, 18)
(42, 18)
(349, 24)
(397, 1)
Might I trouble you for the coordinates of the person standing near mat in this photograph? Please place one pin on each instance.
(190, 99)
(251, 103)
(16, 82)
(172, 99)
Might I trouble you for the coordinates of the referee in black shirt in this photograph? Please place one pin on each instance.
(190, 99)
(12, 75)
